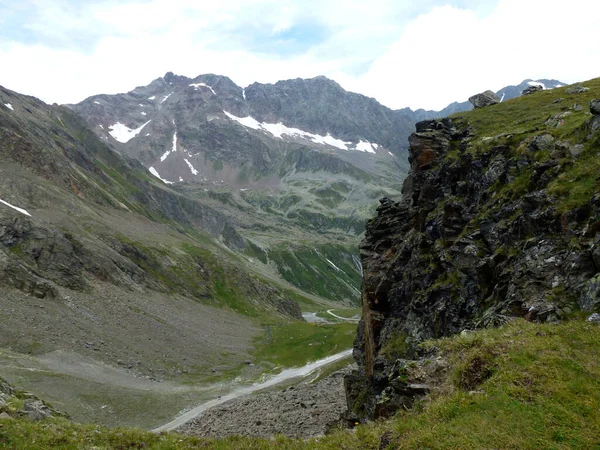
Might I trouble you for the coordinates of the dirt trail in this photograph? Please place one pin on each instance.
(285, 375)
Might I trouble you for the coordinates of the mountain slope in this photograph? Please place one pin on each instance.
(499, 219)
(105, 271)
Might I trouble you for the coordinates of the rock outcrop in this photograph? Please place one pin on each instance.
(484, 99)
(16, 404)
(478, 238)
(531, 89)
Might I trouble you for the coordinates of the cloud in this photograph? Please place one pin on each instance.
(423, 54)
(450, 53)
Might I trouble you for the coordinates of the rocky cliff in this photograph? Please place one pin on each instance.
(499, 218)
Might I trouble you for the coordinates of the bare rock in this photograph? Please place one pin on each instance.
(576, 89)
(531, 89)
(484, 99)
(595, 107)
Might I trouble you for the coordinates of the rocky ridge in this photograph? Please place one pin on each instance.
(497, 220)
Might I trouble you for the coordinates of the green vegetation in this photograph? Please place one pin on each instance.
(296, 343)
(520, 386)
(517, 122)
(309, 269)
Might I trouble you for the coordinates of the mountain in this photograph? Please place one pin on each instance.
(499, 220)
(499, 225)
(112, 281)
(285, 162)
(296, 166)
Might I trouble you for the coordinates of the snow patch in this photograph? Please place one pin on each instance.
(152, 98)
(244, 93)
(101, 126)
(391, 154)
(279, 129)
(173, 150)
(147, 134)
(123, 133)
(9, 106)
(143, 113)
(192, 169)
(503, 95)
(197, 87)
(21, 210)
(333, 265)
(365, 146)
(166, 97)
(536, 83)
(155, 173)
(96, 103)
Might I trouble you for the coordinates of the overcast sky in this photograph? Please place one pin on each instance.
(422, 54)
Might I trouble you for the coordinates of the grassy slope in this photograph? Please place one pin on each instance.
(516, 122)
(542, 391)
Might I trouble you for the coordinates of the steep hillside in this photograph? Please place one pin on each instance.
(294, 166)
(116, 290)
(500, 218)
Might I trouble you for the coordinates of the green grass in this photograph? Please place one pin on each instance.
(521, 386)
(516, 122)
(297, 343)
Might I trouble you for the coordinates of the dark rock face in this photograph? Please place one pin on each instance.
(484, 99)
(531, 89)
(595, 107)
(454, 255)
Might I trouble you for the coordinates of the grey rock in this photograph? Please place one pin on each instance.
(5, 416)
(576, 150)
(37, 410)
(594, 318)
(557, 120)
(484, 99)
(542, 142)
(577, 107)
(595, 106)
(589, 300)
(531, 89)
(576, 89)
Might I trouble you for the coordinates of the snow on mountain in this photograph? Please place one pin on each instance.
(197, 87)
(9, 106)
(154, 172)
(173, 149)
(124, 134)
(192, 169)
(279, 130)
(21, 210)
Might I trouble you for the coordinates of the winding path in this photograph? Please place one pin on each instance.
(347, 319)
(287, 374)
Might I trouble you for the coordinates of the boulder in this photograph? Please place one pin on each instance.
(542, 142)
(595, 107)
(576, 89)
(484, 99)
(594, 318)
(532, 89)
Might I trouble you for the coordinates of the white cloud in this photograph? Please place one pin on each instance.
(450, 54)
(380, 48)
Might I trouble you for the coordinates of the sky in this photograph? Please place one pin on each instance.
(423, 54)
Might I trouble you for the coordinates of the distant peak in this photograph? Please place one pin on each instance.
(170, 77)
